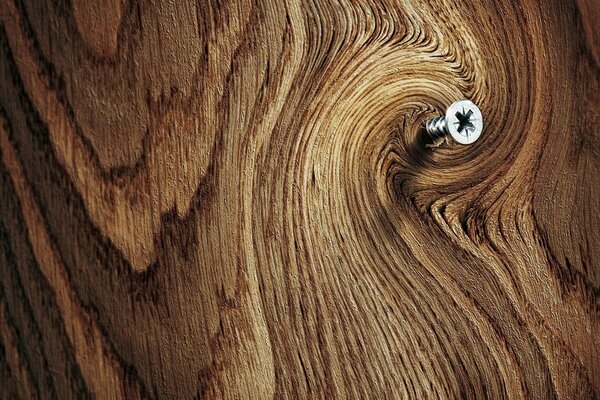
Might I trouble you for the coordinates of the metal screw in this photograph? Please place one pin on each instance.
(463, 121)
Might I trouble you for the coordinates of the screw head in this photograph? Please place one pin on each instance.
(464, 121)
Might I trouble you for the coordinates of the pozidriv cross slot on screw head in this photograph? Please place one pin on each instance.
(463, 121)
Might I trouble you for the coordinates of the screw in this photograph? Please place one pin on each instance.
(463, 121)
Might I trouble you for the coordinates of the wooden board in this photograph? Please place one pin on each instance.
(233, 199)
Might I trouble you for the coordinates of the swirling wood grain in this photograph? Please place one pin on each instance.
(233, 199)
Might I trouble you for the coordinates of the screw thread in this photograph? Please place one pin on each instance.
(436, 127)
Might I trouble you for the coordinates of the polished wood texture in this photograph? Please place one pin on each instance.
(234, 199)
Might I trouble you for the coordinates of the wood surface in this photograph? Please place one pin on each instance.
(233, 199)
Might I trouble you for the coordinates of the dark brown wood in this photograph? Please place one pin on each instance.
(234, 199)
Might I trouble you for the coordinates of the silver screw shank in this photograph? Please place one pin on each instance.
(436, 127)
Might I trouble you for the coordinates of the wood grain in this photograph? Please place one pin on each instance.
(233, 199)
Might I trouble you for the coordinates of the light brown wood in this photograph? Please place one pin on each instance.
(235, 200)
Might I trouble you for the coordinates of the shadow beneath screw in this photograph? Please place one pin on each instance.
(418, 153)
(416, 157)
